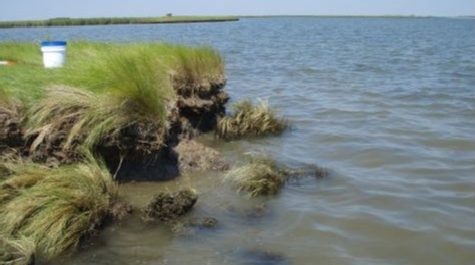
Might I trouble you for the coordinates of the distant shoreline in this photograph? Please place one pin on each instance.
(181, 19)
(114, 21)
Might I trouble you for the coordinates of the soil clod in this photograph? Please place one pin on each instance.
(194, 156)
(166, 206)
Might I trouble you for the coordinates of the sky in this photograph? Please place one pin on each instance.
(44, 9)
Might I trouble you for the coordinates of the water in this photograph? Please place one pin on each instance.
(386, 105)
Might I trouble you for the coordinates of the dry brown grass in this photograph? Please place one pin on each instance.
(17, 251)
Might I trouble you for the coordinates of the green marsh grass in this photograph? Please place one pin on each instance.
(249, 120)
(55, 208)
(196, 70)
(104, 87)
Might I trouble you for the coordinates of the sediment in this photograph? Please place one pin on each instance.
(11, 132)
(200, 104)
(194, 156)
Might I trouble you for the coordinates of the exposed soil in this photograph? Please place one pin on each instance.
(11, 133)
(137, 152)
(194, 156)
(166, 206)
(199, 105)
(120, 210)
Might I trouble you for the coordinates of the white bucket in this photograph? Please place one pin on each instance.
(54, 53)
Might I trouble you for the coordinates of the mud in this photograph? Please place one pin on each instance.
(166, 206)
(194, 156)
(200, 105)
(11, 133)
(120, 211)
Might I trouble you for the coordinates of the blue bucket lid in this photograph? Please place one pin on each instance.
(53, 43)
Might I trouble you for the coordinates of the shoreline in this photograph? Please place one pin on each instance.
(55, 22)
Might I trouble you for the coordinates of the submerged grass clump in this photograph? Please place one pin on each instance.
(55, 208)
(250, 120)
(261, 176)
(264, 176)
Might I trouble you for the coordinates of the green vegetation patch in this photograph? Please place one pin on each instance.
(249, 120)
(55, 208)
(104, 91)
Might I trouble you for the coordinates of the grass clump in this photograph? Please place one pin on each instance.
(55, 208)
(261, 176)
(264, 176)
(250, 120)
(196, 70)
(17, 251)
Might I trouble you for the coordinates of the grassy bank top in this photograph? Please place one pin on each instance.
(103, 87)
(114, 20)
(100, 66)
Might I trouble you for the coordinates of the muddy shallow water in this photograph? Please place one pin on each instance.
(386, 105)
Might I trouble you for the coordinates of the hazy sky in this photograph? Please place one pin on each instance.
(43, 9)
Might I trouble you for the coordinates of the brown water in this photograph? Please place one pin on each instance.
(386, 105)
